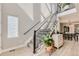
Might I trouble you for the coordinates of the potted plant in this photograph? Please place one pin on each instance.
(49, 43)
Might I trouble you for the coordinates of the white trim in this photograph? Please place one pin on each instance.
(67, 12)
(16, 47)
(28, 40)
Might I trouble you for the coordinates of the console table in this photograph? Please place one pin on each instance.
(58, 40)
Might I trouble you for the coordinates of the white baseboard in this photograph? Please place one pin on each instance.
(16, 47)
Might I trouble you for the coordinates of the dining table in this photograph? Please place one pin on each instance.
(71, 36)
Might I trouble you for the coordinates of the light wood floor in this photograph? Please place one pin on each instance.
(19, 52)
(70, 48)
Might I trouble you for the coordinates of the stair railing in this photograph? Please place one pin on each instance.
(37, 24)
(34, 37)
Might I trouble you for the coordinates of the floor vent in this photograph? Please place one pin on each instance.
(12, 50)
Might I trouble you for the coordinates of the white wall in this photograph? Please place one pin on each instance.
(28, 8)
(0, 26)
(44, 10)
(29, 15)
(25, 22)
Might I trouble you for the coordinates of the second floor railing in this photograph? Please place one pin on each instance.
(64, 7)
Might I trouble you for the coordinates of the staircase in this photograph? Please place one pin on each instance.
(49, 28)
(36, 42)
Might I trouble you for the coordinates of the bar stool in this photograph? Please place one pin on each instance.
(65, 36)
(69, 36)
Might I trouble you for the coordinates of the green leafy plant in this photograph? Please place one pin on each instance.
(47, 39)
(62, 5)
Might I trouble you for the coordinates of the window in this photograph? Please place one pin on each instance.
(12, 26)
